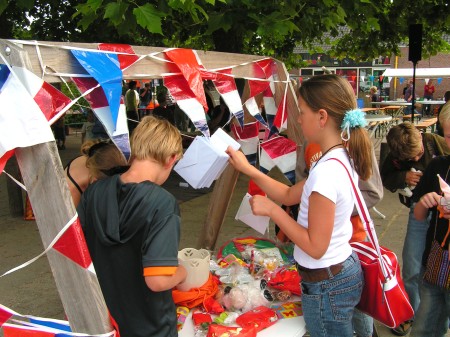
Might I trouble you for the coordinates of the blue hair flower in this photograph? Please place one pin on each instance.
(353, 118)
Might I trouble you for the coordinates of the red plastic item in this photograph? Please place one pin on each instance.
(259, 318)
(200, 318)
(286, 279)
(216, 330)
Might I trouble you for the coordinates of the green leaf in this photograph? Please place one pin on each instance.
(86, 20)
(94, 4)
(3, 5)
(115, 12)
(218, 21)
(25, 4)
(149, 18)
(373, 23)
(88, 9)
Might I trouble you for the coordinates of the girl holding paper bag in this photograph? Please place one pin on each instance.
(332, 279)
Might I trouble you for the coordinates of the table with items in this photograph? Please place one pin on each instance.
(252, 289)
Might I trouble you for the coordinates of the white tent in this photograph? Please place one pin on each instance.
(420, 72)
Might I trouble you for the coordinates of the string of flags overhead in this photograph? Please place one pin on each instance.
(101, 86)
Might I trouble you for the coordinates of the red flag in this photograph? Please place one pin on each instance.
(189, 64)
(124, 60)
(73, 245)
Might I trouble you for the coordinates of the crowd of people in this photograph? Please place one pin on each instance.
(132, 225)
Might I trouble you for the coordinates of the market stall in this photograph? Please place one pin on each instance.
(98, 70)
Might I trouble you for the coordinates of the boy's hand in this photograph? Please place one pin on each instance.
(413, 178)
(430, 200)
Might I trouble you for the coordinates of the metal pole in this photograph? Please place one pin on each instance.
(413, 99)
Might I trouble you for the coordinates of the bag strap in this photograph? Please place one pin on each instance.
(368, 222)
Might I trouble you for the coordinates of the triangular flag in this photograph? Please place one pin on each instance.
(73, 245)
(117, 131)
(124, 60)
(281, 152)
(248, 138)
(105, 69)
(189, 64)
(22, 122)
(187, 101)
(5, 314)
(226, 87)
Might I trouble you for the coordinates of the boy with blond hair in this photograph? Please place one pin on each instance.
(132, 229)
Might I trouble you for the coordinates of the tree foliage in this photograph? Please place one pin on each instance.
(359, 29)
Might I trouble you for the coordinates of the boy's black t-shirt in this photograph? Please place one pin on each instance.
(128, 227)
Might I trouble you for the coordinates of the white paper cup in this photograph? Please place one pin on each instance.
(196, 263)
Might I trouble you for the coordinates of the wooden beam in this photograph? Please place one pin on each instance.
(43, 176)
(55, 57)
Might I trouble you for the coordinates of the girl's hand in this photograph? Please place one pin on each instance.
(262, 205)
(430, 200)
(238, 160)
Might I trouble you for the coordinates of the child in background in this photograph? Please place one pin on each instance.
(410, 153)
(86, 129)
(99, 159)
(433, 314)
(321, 234)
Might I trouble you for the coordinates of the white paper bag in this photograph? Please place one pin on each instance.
(245, 214)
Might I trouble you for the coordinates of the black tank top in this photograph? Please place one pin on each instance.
(71, 178)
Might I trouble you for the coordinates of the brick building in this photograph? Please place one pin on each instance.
(362, 75)
(440, 60)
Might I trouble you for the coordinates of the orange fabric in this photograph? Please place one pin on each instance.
(158, 271)
(312, 154)
(359, 234)
(196, 296)
(29, 215)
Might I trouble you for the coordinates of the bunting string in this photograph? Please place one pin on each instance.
(153, 55)
(50, 246)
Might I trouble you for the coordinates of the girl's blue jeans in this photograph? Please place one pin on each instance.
(328, 305)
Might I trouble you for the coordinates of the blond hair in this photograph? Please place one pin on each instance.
(102, 156)
(373, 89)
(85, 147)
(404, 141)
(335, 95)
(156, 139)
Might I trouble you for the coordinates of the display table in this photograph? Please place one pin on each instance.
(287, 327)
(375, 121)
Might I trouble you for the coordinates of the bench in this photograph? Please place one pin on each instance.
(408, 117)
(426, 123)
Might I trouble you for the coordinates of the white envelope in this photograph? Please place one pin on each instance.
(221, 140)
(205, 159)
(245, 214)
(196, 162)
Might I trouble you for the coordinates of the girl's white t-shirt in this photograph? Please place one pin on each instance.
(330, 179)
